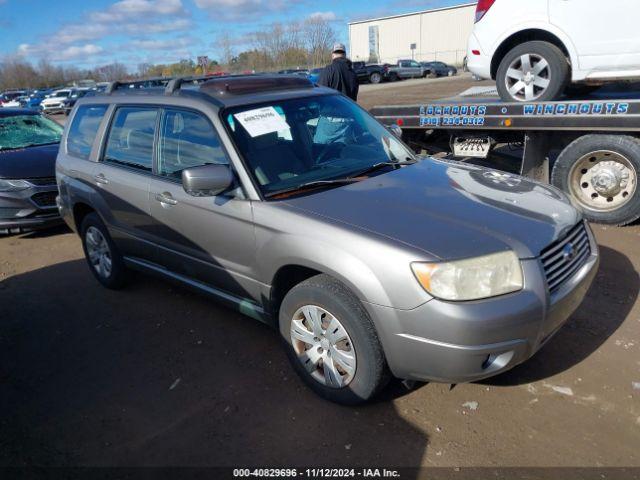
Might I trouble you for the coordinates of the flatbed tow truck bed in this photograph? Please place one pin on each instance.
(590, 149)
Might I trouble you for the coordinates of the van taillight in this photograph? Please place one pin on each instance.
(482, 8)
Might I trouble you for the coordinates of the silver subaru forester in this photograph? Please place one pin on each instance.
(292, 204)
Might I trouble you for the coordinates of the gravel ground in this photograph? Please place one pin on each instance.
(156, 375)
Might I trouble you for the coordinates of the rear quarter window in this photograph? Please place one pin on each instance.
(84, 129)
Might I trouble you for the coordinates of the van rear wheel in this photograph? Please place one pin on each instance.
(533, 71)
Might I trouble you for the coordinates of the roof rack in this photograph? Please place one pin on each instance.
(246, 84)
(113, 86)
(175, 83)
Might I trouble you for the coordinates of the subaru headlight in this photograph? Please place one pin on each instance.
(13, 185)
(471, 279)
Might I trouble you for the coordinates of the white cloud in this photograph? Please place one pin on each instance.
(127, 10)
(166, 45)
(129, 17)
(75, 52)
(328, 16)
(243, 10)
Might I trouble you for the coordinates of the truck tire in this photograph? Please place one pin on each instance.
(375, 78)
(600, 175)
(344, 364)
(534, 71)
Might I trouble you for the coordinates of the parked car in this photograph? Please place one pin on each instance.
(28, 148)
(294, 71)
(8, 98)
(406, 69)
(439, 69)
(69, 102)
(534, 49)
(370, 73)
(54, 103)
(35, 99)
(16, 102)
(291, 203)
(314, 75)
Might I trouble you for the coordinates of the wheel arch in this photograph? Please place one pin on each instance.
(285, 278)
(80, 211)
(528, 35)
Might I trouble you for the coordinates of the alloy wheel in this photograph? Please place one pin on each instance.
(98, 252)
(528, 77)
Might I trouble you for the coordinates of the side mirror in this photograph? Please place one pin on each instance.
(207, 180)
(396, 130)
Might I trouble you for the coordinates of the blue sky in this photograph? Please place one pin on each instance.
(88, 33)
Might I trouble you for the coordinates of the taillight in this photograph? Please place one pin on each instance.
(482, 8)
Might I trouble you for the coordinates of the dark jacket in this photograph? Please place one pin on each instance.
(340, 76)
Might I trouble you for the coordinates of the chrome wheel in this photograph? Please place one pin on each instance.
(98, 252)
(528, 77)
(323, 346)
(603, 181)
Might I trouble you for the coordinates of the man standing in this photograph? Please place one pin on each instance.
(339, 74)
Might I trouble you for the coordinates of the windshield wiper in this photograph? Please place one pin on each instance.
(378, 166)
(312, 185)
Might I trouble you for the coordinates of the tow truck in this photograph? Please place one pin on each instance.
(589, 149)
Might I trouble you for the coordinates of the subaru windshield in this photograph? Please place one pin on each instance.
(324, 140)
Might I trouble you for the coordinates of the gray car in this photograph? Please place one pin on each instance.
(292, 204)
(28, 149)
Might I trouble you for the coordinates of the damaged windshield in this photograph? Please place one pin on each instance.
(21, 131)
(325, 140)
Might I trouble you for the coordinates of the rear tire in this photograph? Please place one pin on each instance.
(600, 175)
(375, 78)
(366, 371)
(104, 259)
(534, 71)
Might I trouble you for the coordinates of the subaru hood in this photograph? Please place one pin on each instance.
(449, 211)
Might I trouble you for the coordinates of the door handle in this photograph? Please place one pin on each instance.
(166, 198)
(101, 179)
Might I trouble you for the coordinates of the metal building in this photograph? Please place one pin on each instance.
(438, 34)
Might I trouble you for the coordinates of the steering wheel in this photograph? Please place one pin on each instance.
(330, 148)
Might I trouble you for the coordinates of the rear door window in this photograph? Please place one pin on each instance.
(131, 137)
(83, 130)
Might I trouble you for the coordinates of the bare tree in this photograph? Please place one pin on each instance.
(225, 44)
(111, 72)
(17, 73)
(319, 36)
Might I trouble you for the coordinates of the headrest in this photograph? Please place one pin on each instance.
(265, 141)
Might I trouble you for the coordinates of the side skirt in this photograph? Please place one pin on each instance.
(244, 306)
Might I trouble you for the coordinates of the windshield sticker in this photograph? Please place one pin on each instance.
(262, 121)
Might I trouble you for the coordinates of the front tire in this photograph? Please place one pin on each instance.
(600, 174)
(375, 78)
(104, 259)
(331, 341)
(534, 71)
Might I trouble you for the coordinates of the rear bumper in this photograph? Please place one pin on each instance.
(464, 342)
(479, 65)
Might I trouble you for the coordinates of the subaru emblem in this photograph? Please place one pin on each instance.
(568, 252)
